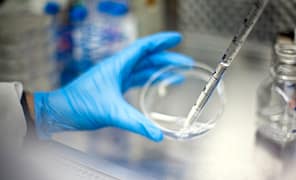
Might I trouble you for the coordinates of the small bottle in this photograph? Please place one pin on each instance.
(108, 28)
(276, 101)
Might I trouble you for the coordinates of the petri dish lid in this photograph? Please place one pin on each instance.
(168, 96)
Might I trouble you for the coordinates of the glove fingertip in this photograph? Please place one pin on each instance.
(155, 134)
(164, 40)
(158, 138)
(175, 37)
(173, 34)
(181, 59)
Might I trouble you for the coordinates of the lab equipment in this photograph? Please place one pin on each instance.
(108, 28)
(63, 16)
(88, 31)
(229, 55)
(95, 100)
(277, 97)
(52, 7)
(168, 95)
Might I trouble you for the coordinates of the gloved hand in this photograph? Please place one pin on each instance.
(95, 99)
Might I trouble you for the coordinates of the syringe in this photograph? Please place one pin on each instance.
(229, 55)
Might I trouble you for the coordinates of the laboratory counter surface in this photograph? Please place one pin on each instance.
(233, 150)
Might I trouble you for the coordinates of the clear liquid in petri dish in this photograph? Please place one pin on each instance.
(169, 95)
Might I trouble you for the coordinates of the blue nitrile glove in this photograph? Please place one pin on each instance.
(95, 100)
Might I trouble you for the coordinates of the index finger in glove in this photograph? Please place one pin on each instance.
(128, 58)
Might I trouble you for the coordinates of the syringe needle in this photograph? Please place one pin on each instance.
(229, 55)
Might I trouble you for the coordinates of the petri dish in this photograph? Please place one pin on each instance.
(169, 94)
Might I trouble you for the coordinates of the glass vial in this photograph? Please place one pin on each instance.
(276, 101)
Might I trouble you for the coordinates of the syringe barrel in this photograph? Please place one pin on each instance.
(244, 31)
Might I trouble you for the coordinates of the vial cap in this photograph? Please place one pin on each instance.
(114, 8)
(52, 8)
(286, 53)
(78, 13)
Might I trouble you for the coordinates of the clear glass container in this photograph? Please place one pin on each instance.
(276, 101)
(168, 96)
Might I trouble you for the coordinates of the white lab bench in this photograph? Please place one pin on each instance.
(231, 151)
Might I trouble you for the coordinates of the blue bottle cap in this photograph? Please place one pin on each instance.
(78, 13)
(114, 8)
(52, 8)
